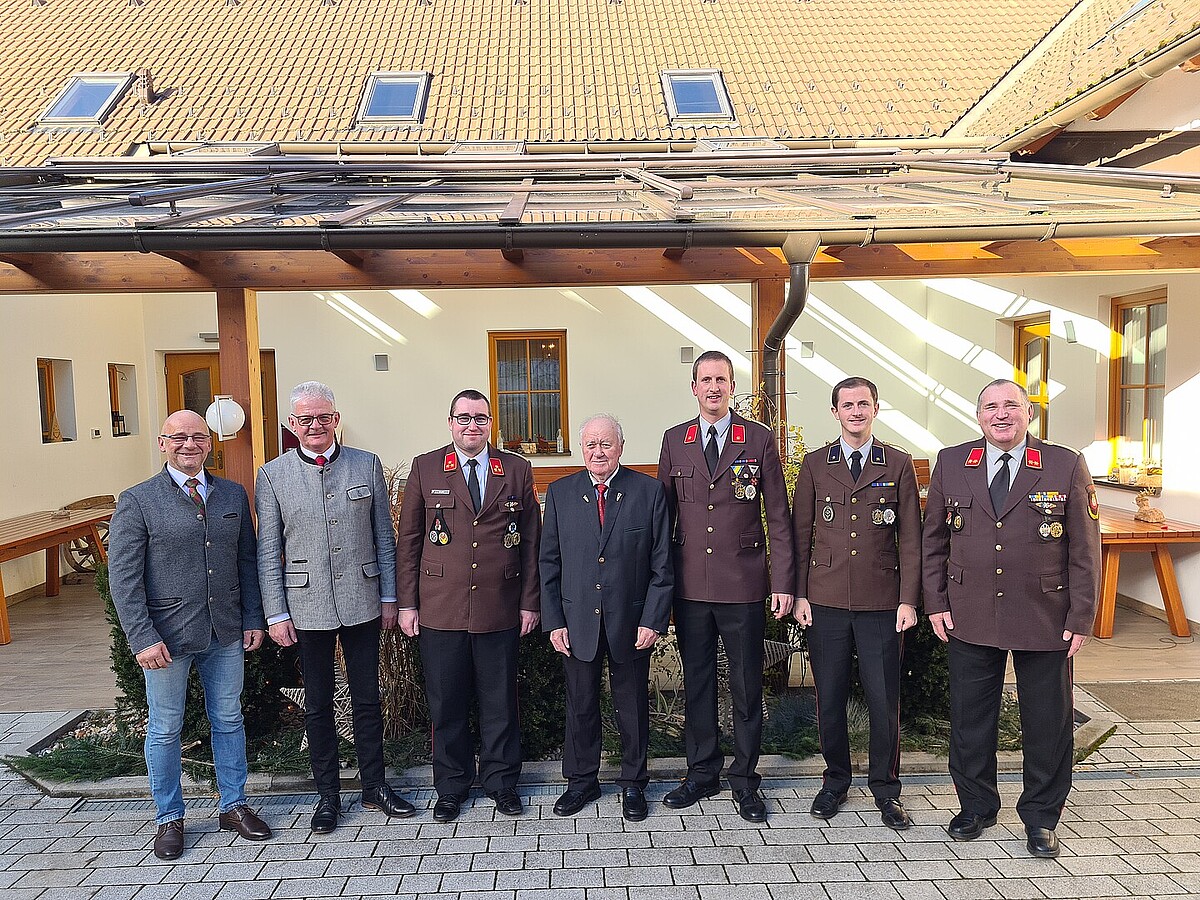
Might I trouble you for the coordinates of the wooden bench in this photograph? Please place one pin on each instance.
(1119, 531)
(47, 531)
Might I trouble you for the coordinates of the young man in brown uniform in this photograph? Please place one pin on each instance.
(856, 517)
(1011, 564)
(467, 583)
(720, 472)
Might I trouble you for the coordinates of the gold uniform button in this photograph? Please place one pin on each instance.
(998, 547)
(853, 499)
(476, 523)
(854, 534)
(999, 524)
(827, 499)
(474, 565)
(710, 506)
(475, 544)
(712, 487)
(474, 587)
(999, 593)
(710, 528)
(854, 518)
(854, 553)
(709, 550)
(999, 571)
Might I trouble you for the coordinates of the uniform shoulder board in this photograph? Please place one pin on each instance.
(497, 466)
(450, 464)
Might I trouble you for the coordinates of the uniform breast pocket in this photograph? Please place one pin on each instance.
(958, 514)
(831, 509)
(681, 478)
(361, 492)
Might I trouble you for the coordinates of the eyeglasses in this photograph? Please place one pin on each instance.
(306, 421)
(178, 440)
(464, 419)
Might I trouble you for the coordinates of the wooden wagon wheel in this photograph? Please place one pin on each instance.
(80, 553)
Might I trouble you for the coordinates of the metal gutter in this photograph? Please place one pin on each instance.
(798, 250)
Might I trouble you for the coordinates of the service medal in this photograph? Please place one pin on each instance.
(957, 524)
(444, 538)
(508, 542)
(751, 492)
(827, 514)
(877, 516)
(1044, 531)
(889, 517)
(1056, 530)
(433, 536)
(739, 491)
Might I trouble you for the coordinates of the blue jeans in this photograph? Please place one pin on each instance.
(221, 670)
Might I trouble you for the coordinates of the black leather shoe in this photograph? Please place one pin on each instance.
(893, 814)
(243, 820)
(325, 816)
(572, 802)
(387, 801)
(690, 793)
(633, 804)
(507, 802)
(446, 809)
(968, 826)
(1042, 843)
(827, 803)
(751, 806)
(168, 843)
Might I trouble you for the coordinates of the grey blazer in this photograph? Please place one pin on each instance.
(326, 548)
(179, 577)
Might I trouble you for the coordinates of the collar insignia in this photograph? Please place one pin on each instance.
(737, 434)
(690, 437)
(975, 457)
(497, 466)
(451, 463)
(835, 454)
(1033, 458)
(877, 455)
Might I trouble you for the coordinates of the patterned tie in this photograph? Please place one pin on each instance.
(473, 484)
(320, 461)
(711, 453)
(1000, 484)
(855, 465)
(600, 489)
(193, 485)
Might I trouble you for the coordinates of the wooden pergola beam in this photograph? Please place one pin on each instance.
(241, 377)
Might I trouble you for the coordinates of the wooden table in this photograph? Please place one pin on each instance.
(1119, 530)
(27, 534)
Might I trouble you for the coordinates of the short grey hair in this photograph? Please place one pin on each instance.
(312, 389)
(603, 417)
(999, 381)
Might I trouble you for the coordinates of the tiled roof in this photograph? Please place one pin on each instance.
(538, 70)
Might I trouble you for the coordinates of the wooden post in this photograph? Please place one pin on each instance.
(766, 300)
(241, 377)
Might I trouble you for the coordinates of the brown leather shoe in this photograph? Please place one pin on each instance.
(168, 843)
(243, 820)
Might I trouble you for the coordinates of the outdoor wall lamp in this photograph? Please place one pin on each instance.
(225, 417)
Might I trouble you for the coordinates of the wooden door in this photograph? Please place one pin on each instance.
(193, 379)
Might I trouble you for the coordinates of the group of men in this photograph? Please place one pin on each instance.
(617, 554)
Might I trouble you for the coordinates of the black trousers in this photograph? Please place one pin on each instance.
(832, 639)
(360, 646)
(741, 627)
(459, 666)
(581, 746)
(1047, 713)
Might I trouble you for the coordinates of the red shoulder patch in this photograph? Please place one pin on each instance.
(975, 457)
(690, 437)
(737, 434)
(451, 462)
(1033, 458)
(496, 465)
(1093, 503)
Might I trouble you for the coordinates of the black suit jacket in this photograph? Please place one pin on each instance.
(621, 574)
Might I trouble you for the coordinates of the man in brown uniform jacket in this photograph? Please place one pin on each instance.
(856, 517)
(720, 472)
(1011, 563)
(467, 583)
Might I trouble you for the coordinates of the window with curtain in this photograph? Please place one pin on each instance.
(529, 394)
(1139, 375)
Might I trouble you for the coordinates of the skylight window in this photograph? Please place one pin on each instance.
(87, 99)
(696, 94)
(391, 97)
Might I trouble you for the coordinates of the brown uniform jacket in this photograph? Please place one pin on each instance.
(472, 581)
(858, 545)
(1008, 581)
(720, 550)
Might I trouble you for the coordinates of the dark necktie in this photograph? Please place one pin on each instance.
(473, 484)
(711, 453)
(1000, 484)
(193, 485)
(320, 461)
(600, 489)
(856, 465)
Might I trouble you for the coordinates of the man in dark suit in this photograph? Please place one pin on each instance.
(327, 564)
(1011, 564)
(856, 518)
(721, 472)
(606, 591)
(466, 564)
(183, 580)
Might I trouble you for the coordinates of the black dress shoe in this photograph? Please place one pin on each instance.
(507, 802)
(446, 809)
(1042, 843)
(572, 802)
(387, 801)
(243, 820)
(751, 806)
(827, 803)
(633, 804)
(689, 793)
(893, 814)
(168, 843)
(968, 826)
(325, 816)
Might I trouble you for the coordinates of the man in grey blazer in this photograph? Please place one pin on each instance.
(183, 580)
(607, 582)
(327, 565)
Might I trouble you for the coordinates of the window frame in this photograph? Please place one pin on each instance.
(725, 117)
(363, 118)
(1147, 298)
(1024, 331)
(121, 82)
(46, 403)
(559, 335)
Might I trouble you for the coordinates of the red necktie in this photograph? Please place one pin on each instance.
(600, 489)
(320, 461)
(193, 485)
